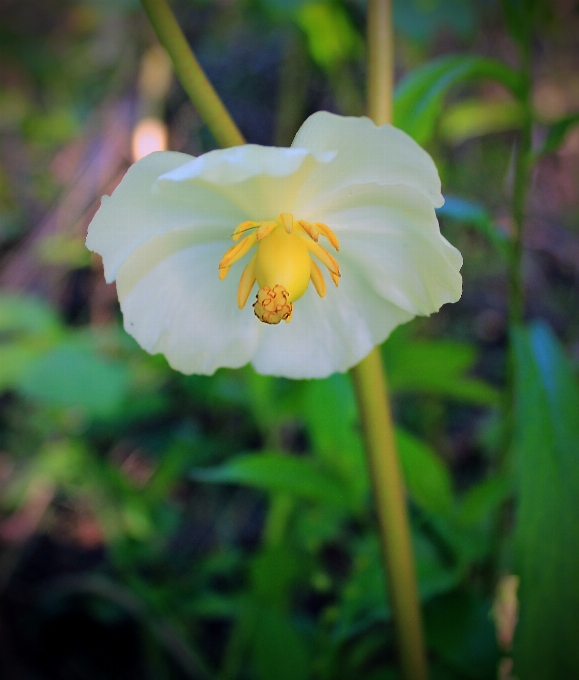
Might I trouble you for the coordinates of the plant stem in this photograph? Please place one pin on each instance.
(368, 376)
(191, 75)
(371, 389)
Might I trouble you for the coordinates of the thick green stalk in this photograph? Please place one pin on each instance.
(191, 75)
(371, 389)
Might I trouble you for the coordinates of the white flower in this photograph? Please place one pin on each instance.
(165, 233)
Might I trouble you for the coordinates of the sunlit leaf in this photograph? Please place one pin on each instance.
(419, 97)
(475, 117)
(547, 486)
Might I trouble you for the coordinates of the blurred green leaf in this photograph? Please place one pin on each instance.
(472, 213)
(25, 314)
(557, 132)
(435, 367)
(460, 631)
(69, 376)
(279, 651)
(275, 472)
(331, 37)
(475, 117)
(426, 476)
(330, 411)
(547, 529)
(483, 498)
(419, 97)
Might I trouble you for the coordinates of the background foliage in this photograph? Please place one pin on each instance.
(155, 525)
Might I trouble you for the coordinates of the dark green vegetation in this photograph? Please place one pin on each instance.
(157, 526)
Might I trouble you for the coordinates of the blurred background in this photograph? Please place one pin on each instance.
(161, 526)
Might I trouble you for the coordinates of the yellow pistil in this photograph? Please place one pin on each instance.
(282, 264)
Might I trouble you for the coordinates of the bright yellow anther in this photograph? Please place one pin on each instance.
(246, 283)
(223, 272)
(310, 230)
(264, 229)
(287, 219)
(328, 233)
(242, 228)
(335, 279)
(238, 251)
(317, 279)
(323, 255)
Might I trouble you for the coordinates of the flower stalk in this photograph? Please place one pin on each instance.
(191, 75)
(368, 376)
(372, 393)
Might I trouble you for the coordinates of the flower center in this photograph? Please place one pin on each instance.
(282, 264)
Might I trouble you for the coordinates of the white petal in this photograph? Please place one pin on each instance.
(180, 308)
(136, 212)
(366, 153)
(331, 334)
(261, 181)
(390, 234)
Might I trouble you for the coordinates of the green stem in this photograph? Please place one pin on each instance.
(368, 376)
(191, 75)
(389, 495)
(371, 389)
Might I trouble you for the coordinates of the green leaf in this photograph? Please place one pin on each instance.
(69, 376)
(475, 117)
(279, 473)
(426, 476)
(279, 651)
(435, 367)
(547, 528)
(419, 97)
(557, 133)
(473, 214)
(24, 314)
(331, 36)
(482, 499)
(329, 409)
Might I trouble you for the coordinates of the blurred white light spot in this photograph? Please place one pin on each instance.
(149, 135)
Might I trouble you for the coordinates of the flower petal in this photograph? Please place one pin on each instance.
(261, 181)
(366, 153)
(391, 236)
(179, 307)
(328, 335)
(135, 212)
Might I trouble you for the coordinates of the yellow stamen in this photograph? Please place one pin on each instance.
(264, 229)
(324, 257)
(238, 251)
(310, 230)
(287, 219)
(242, 228)
(223, 272)
(328, 233)
(335, 279)
(246, 283)
(317, 279)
